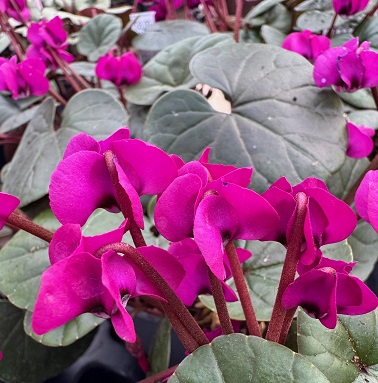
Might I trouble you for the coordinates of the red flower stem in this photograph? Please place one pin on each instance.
(286, 325)
(352, 192)
(220, 303)
(174, 301)
(374, 92)
(331, 27)
(171, 12)
(57, 96)
(123, 201)
(241, 287)
(122, 97)
(238, 17)
(18, 10)
(80, 79)
(31, 227)
(289, 268)
(9, 33)
(209, 19)
(159, 376)
(182, 332)
(224, 24)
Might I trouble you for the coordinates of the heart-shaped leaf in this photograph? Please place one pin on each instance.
(368, 31)
(25, 360)
(368, 118)
(361, 99)
(98, 36)
(345, 355)
(263, 272)
(245, 359)
(169, 69)
(94, 112)
(272, 35)
(273, 126)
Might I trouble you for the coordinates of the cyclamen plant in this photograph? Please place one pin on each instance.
(225, 190)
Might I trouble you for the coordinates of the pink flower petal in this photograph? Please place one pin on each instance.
(360, 143)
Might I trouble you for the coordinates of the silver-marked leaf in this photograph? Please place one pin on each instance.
(98, 36)
(368, 31)
(342, 181)
(263, 271)
(245, 359)
(361, 99)
(311, 5)
(94, 112)
(317, 21)
(273, 126)
(364, 243)
(272, 35)
(7, 108)
(100, 4)
(368, 118)
(347, 354)
(25, 360)
(260, 9)
(18, 119)
(169, 69)
(160, 35)
(340, 39)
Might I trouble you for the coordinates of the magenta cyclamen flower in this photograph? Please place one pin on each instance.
(20, 13)
(23, 79)
(79, 282)
(349, 7)
(360, 143)
(196, 280)
(211, 203)
(349, 67)
(366, 198)
(121, 70)
(160, 8)
(8, 203)
(48, 42)
(328, 219)
(142, 169)
(307, 44)
(328, 290)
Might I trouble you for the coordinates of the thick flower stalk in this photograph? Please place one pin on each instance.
(23, 79)
(48, 42)
(307, 44)
(348, 68)
(120, 70)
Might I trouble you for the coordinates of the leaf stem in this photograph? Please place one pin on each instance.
(174, 301)
(241, 287)
(220, 303)
(29, 226)
(159, 376)
(331, 27)
(275, 328)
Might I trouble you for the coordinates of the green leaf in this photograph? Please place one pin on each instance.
(7, 108)
(273, 125)
(340, 39)
(342, 181)
(245, 359)
(263, 271)
(364, 243)
(260, 9)
(99, 4)
(25, 360)
(169, 69)
(272, 35)
(347, 354)
(361, 99)
(368, 31)
(160, 350)
(311, 5)
(94, 112)
(21, 118)
(368, 118)
(317, 21)
(99, 35)
(159, 35)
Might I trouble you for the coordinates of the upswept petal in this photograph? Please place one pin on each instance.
(174, 211)
(370, 62)
(8, 203)
(79, 142)
(360, 143)
(79, 185)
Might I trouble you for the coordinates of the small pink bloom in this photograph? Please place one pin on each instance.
(8, 203)
(48, 38)
(328, 290)
(328, 219)
(160, 8)
(349, 67)
(21, 14)
(121, 70)
(349, 7)
(307, 44)
(360, 143)
(366, 198)
(23, 79)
